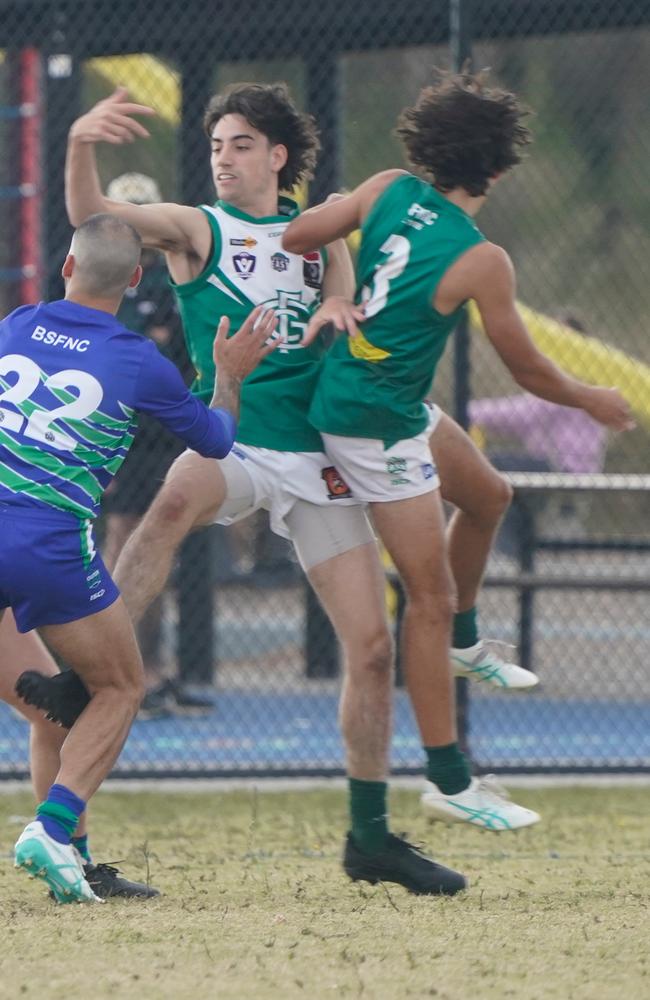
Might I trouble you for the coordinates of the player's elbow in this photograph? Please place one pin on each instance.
(294, 242)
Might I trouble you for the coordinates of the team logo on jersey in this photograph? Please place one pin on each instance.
(311, 269)
(336, 485)
(244, 263)
(292, 315)
(279, 261)
(248, 241)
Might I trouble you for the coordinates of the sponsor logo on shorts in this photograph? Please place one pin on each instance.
(428, 470)
(279, 261)
(93, 580)
(336, 485)
(98, 593)
(238, 452)
(244, 264)
(248, 241)
(396, 469)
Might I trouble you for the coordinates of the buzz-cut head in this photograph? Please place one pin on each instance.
(106, 252)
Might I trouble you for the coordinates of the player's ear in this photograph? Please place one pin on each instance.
(135, 277)
(279, 157)
(68, 266)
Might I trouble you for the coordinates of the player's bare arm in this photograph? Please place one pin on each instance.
(182, 232)
(338, 217)
(486, 274)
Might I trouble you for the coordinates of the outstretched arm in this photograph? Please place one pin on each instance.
(492, 284)
(337, 217)
(210, 431)
(173, 228)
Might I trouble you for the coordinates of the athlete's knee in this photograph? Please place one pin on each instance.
(498, 496)
(373, 656)
(120, 682)
(434, 603)
(175, 509)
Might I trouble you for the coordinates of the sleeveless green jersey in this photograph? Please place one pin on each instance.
(248, 267)
(374, 385)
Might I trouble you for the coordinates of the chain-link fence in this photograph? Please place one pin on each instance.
(241, 662)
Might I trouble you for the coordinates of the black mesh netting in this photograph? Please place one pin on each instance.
(243, 666)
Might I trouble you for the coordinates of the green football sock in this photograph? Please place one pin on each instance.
(368, 814)
(448, 768)
(465, 633)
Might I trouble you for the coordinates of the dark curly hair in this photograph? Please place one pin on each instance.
(462, 133)
(270, 109)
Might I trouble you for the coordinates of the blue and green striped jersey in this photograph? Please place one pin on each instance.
(72, 380)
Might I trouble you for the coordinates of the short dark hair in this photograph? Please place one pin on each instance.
(270, 109)
(106, 251)
(463, 133)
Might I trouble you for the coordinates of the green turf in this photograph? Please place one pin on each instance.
(256, 905)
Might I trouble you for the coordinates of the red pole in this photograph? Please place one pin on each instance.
(30, 153)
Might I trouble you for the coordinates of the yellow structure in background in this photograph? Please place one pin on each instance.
(587, 358)
(148, 80)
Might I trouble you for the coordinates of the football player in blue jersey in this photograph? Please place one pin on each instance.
(72, 380)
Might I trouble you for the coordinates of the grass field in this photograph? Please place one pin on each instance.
(255, 904)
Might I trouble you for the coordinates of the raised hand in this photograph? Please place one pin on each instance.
(110, 121)
(238, 355)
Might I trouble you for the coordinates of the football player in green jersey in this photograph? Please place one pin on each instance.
(222, 259)
(421, 258)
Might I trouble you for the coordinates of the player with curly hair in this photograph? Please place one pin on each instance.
(421, 258)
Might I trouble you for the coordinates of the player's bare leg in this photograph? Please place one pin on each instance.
(190, 496)
(481, 496)
(413, 532)
(19, 652)
(103, 651)
(119, 528)
(351, 587)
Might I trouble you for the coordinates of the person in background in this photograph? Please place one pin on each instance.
(150, 309)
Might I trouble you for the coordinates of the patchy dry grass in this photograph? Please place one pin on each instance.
(255, 905)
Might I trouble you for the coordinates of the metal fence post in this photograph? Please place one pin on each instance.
(324, 102)
(460, 43)
(196, 642)
(62, 102)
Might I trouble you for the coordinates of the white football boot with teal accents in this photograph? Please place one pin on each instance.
(59, 865)
(484, 803)
(484, 664)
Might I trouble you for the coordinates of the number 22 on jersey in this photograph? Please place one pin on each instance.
(38, 422)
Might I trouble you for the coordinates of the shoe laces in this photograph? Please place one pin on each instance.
(106, 868)
(406, 845)
(499, 649)
(490, 783)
